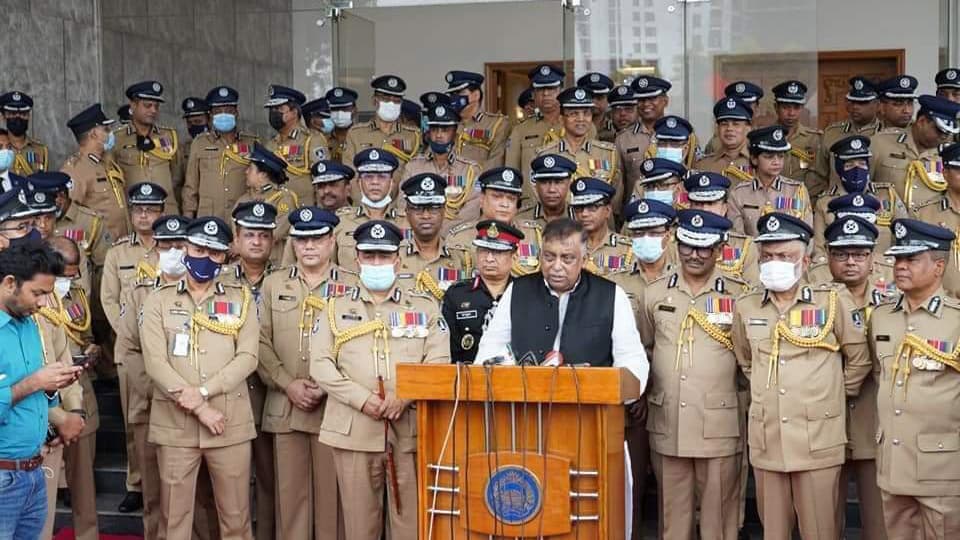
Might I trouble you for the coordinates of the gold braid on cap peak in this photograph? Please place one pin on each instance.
(201, 321)
(712, 330)
(912, 346)
(815, 342)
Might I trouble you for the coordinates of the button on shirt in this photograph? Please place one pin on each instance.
(23, 426)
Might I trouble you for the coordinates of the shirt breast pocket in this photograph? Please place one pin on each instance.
(283, 312)
(938, 458)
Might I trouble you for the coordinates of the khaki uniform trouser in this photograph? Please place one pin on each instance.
(684, 484)
(805, 497)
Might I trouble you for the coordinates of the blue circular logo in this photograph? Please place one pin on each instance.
(513, 495)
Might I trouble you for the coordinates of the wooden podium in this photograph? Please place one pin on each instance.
(519, 452)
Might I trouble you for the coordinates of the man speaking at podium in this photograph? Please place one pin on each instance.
(564, 314)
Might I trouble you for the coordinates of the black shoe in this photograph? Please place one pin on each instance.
(743, 534)
(131, 503)
(64, 496)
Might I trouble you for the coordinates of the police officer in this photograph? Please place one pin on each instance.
(375, 169)
(98, 182)
(343, 109)
(196, 117)
(200, 340)
(738, 256)
(266, 180)
(745, 92)
(623, 109)
(693, 415)
(215, 174)
(527, 105)
(427, 262)
(652, 100)
(897, 98)
(169, 233)
(908, 158)
(862, 205)
(851, 242)
(804, 350)
(293, 303)
(469, 304)
(948, 83)
(914, 341)
(550, 176)
(944, 211)
(296, 145)
(30, 154)
(607, 252)
(500, 190)
(730, 156)
(331, 184)
(851, 162)
(481, 135)
(600, 86)
(594, 158)
(443, 159)
(800, 163)
(377, 316)
(662, 181)
(649, 224)
(768, 191)
(384, 132)
(673, 139)
(862, 107)
(316, 116)
(146, 151)
(73, 220)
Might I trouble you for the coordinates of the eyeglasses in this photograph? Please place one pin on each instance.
(685, 250)
(432, 209)
(844, 255)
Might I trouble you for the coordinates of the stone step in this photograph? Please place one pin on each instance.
(109, 520)
(110, 472)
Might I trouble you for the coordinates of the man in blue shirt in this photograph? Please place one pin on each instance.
(27, 387)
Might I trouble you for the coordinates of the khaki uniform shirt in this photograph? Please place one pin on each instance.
(412, 331)
(734, 164)
(919, 388)
(693, 408)
(525, 141)
(53, 341)
(606, 132)
(594, 158)
(483, 139)
(216, 174)
(611, 256)
(129, 349)
(942, 212)
(336, 144)
(434, 276)
(632, 144)
(179, 352)
(86, 228)
(899, 161)
(301, 149)
(98, 184)
(751, 200)
(30, 158)
(291, 311)
(160, 165)
(891, 207)
(128, 262)
(463, 191)
(352, 217)
(797, 418)
(285, 200)
(739, 258)
(400, 140)
(462, 236)
(833, 133)
(801, 160)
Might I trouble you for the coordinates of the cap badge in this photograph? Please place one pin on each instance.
(581, 185)
(778, 135)
(951, 75)
(643, 82)
(17, 96)
(704, 180)
(211, 228)
(740, 88)
(392, 83)
(493, 231)
(851, 227)
(22, 197)
(321, 167)
(904, 82)
(544, 70)
(671, 123)
(731, 104)
(899, 230)
(549, 162)
(223, 92)
(156, 87)
(440, 111)
(449, 77)
(306, 215)
(427, 184)
(40, 197)
(579, 94)
(374, 155)
(258, 210)
(377, 231)
(773, 224)
(793, 88)
(858, 84)
(190, 104)
(858, 200)
(595, 77)
(173, 225)
(648, 165)
(856, 144)
(643, 208)
(508, 175)
(697, 221)
(622, 90)
(145, 189)
(338, 93)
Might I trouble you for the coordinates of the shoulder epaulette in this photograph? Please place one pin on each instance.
(461, 227)
(344, 210)
(122, 240)
(246, 135)
(547, 147)
(603, 145)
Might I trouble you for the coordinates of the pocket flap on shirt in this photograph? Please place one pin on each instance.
(720, 400)
(823, 411)
(655, 398)
(938, 442)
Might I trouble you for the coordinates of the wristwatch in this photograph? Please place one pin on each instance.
(204, 393)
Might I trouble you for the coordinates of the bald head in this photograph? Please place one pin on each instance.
(67, 249)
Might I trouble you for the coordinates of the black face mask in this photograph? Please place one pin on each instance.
(17, 126)
(145, 144)
(195, 130)
(276, 120)
(31, 238)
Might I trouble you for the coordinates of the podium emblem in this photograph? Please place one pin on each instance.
(513, 495)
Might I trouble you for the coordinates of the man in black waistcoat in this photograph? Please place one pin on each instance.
(564, 314)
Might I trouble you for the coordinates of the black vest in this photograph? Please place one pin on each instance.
(587, 326)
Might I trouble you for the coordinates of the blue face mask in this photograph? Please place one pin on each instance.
(665, 196)
(855, 180)
(647, 248)
(377, 278)
(224, 122)
(32, 237)
(6, 159)
(674, 154)
(202, 269)
(326, 125)
(110, 142)
(441, 148)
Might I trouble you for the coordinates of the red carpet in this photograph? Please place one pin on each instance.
(67, 534)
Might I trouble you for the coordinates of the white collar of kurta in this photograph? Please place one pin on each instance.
(561, 295)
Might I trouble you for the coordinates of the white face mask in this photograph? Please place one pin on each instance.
(171, 262)
(341, 119)
(779, 276)
(647, 248)
(61, 286)
(382, 203)
(387, 111)
(674, 154)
